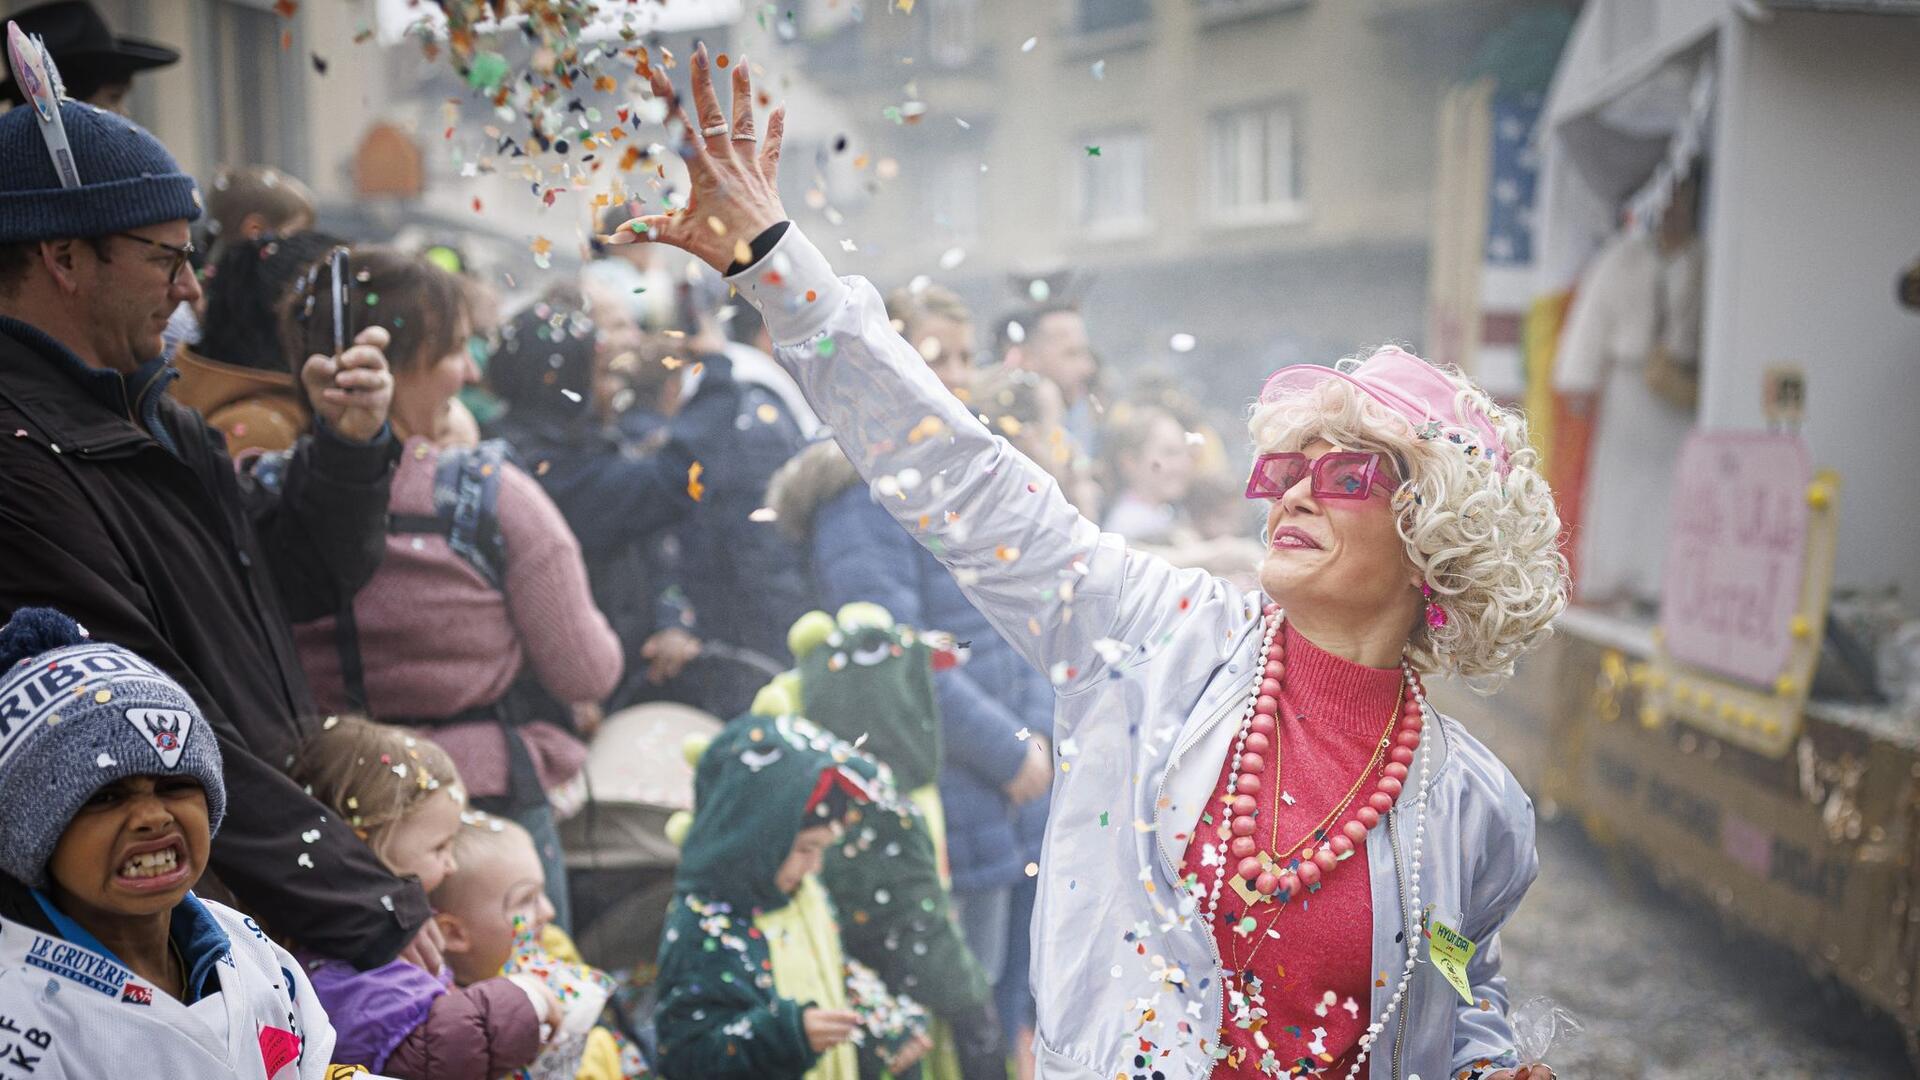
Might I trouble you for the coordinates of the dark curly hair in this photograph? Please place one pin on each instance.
(248, 285)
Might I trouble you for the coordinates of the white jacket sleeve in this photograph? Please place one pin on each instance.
(1071, 599)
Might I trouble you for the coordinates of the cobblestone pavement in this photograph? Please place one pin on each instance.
(1667, 992)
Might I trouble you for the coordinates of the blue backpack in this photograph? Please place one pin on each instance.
(466, 511)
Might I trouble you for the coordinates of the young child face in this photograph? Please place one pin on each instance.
(804, 858)
(421, 843)
(501, 882)
(134, 849)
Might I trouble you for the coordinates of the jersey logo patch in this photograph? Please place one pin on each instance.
(68, 961)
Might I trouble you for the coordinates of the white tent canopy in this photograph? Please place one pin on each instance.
(1633, 90)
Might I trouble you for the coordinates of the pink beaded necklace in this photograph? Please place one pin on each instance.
(1258, 878)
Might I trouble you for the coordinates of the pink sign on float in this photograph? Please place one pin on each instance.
(1736, 553)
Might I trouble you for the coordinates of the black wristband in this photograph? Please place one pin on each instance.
(761, 245)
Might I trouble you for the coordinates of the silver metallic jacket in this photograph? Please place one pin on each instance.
(1152, 665)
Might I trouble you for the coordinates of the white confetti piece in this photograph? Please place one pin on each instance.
(1027, 45)
(105, 760)
(305, 860)
(1181, 343)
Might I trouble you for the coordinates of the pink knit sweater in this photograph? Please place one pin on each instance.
(437, 640)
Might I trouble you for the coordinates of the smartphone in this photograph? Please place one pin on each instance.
(337, 265)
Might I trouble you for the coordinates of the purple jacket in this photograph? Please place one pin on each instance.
(398, 1020)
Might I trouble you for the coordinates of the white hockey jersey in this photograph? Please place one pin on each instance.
(73, 1011)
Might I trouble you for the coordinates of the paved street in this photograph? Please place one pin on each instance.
(1667, 993)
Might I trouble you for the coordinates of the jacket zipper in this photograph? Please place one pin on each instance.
(1160, 796)
(1406, 928)
(133, 406)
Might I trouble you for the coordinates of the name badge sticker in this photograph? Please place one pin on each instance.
(1450, 952)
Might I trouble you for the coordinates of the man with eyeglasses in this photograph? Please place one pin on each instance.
(121, 507)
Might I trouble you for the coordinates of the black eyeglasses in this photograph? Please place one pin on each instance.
(180, 254)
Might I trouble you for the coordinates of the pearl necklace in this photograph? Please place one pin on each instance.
(1258, 733)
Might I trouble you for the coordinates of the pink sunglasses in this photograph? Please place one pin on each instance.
(1338, 474)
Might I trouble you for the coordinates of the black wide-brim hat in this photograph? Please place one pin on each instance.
(86, 51)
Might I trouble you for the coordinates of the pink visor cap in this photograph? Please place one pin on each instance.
(1409, 387)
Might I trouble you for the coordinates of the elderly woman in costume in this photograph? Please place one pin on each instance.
(1267, 854)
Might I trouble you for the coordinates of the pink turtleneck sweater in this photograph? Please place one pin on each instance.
(1313, 968)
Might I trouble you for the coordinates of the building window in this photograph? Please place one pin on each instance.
(953, 35)
(1111, 191)
(1094, 16)
(1253, 157)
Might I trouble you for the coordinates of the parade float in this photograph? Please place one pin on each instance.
(1724, 733)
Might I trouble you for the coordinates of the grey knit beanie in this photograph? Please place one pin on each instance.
(76, 715)
(127, 179)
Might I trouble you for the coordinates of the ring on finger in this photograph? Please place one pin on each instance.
(745, 136)
(717, 129)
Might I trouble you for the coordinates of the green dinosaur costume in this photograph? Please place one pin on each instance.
(871, 682)
(740, 960)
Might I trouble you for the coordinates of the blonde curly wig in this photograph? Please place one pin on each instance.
(1488, 545)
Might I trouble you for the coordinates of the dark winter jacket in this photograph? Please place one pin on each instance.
(121, 508)
(620, 502)
(744, 579)
(860, 553)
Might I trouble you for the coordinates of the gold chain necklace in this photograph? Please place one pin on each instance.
(1340, 807)
(1373, 762)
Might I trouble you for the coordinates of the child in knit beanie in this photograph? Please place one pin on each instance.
(110, 795)
(403, 796)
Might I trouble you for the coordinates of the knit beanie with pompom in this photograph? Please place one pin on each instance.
(76, 715)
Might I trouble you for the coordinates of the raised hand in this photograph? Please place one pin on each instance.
(733, 171)
(352, 392)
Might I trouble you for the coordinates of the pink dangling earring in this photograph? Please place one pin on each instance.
(1436, 615)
